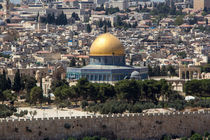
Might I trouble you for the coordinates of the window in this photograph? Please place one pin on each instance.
(105, 60)
(104, 77)
(108, 77)
(96, 77)
(91, 77)
(100, 77)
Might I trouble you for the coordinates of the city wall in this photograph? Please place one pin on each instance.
(131, 126)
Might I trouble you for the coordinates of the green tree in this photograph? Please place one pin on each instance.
(165, 90)
(88, 28)
(8, 96)
(5, 95)
(71, 138)
(205, 88)
(179, 20)
(150, 90)
(3, 81)
(17, 82)
(206, 134)
(58, 83)
(100, 24)
(105, 29)
(28, 83)
(61, 19)
(50, 18)
(150, 72)
(73, 95)
(61, 93)
(83, 88)
(182, 55)
(193, 87)
(36, 95)
(37, 17)
(106, 91)
(75, 16)
(156, 71)
(92, 92)
(184, 138)
(127, 90)
(196, 136)
(163, 71)
(172, 70)
(9, 83)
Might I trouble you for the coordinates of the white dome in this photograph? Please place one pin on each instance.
(135, 75)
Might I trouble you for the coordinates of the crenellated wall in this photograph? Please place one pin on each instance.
(130, 126)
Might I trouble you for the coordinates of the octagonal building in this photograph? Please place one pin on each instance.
(107, 62)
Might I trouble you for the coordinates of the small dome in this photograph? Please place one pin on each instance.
(135, 75)
(106, 45)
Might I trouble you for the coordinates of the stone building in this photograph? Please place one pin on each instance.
(201, 4)
(43, 71)
(107, 62)
(121, 4)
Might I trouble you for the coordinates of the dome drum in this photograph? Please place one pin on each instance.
(107, 60)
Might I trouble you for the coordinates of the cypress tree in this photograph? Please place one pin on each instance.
(4, 81)
(41, 82)
(17, 81)
(9, 84)
(88, 28)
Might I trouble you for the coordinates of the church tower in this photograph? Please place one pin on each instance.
(6, 6)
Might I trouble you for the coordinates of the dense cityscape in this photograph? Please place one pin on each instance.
(105, 69)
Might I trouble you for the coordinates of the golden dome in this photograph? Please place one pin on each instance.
(106, 45)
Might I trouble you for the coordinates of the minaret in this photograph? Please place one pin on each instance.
(38, 26)
(6, 9)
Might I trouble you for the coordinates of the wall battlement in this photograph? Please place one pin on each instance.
(115, 126)
(110, 116)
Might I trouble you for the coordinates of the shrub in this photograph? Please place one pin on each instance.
(71, 138)
(84, 104)
(91, 138)
(206, 134)
(196, 136)
(178, 105)
(166, 137)
(22, 113)
(136, 108)
(64, 104)
(6, 111)
(184, 138)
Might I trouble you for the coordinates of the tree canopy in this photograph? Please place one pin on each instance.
(36, 95)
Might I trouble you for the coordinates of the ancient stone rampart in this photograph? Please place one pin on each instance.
(122, 126)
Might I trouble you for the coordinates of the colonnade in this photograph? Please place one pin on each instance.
(189, 72)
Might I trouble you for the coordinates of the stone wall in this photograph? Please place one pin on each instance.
(131, 126)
